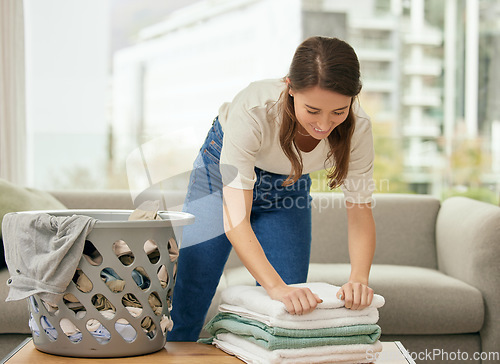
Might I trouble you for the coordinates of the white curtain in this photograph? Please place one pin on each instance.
(12, 92)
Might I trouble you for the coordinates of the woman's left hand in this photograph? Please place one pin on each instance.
(356, 295)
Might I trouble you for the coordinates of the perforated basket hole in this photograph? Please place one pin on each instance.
(169, 299)
(113, 281)
(175, 271)
(141, 278)
(49, 329)
(72, 332)
(74, 304)
(163, 276)
(34, 304)
(82, 282)
(91, 253)
(33, 326)
(155, 303)
(52, 309)
(103, 305)
(166, 324)
(130, 301)
(149, 327)
(126, 331)
(123, 252)
(173, 250)
(152, 251)
(98, 331)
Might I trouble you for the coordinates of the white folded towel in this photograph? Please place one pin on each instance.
(254, 303)
(255, 354)
(315, 320)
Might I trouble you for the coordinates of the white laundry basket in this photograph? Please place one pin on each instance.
(123, 331)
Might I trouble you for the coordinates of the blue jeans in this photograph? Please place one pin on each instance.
(280, 218)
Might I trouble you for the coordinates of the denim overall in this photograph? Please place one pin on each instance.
(280, 218)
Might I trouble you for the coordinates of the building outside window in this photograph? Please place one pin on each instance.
(139, 83)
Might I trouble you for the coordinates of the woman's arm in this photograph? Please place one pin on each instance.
(237, 209)
(361, 233)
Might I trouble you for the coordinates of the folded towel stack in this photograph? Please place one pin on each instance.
(257, 329)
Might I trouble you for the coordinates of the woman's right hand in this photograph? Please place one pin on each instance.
(297, 300)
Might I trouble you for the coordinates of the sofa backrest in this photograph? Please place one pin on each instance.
(90, 199)
(112, 199)
(405, 224)
(405, 227)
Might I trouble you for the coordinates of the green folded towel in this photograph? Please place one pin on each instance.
(280, 338)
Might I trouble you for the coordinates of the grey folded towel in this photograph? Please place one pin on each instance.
(42, 252)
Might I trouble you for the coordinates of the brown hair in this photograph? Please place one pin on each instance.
(331, 64)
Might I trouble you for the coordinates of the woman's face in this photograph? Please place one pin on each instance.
(319, 111)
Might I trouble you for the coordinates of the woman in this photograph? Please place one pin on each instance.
(249, 188)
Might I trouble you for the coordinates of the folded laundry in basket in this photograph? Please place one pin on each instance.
(252, 353)
(46, 325)
(148, 210)
(42, 252)
(96, 329)
(99, 332)
(123, 252)
(101, 302)
(139, 276)
(120, 248)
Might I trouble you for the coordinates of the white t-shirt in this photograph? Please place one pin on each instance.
(251, 126)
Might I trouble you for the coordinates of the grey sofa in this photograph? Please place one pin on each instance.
(437, 265)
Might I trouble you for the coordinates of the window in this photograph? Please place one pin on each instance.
(112, 83)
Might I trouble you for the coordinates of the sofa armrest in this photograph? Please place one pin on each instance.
(468, 248)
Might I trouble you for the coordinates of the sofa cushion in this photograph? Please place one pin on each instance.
(92, 199)
(15, 315)
(432, 303)
(15, 198)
